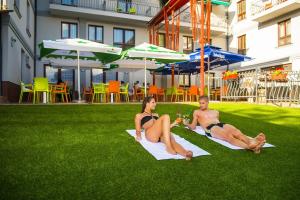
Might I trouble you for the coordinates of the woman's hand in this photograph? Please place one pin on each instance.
(174, 124)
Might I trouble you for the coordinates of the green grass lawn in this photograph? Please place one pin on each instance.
(83, 152)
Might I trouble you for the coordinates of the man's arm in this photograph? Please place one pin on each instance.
(194, 122)
(138, 127)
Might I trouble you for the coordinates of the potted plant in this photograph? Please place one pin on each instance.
(279, 74)
(119, 9)
(230, 75)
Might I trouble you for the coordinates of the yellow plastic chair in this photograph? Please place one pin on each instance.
(178, 92)
(132, 10)
(99, 92)
(124, 91)
(25, 88)
(40, 85)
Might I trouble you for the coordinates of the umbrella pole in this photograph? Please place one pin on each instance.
(208, 84)
(145, 89)
(78, 76)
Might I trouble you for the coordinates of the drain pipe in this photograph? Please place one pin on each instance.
(1, 54)
(34, 42)
(227, 34)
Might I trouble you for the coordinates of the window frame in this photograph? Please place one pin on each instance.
(184, 48)
(241, 11)
(17, 8)
(164, 36)
(28, 18)
(242, 41)
(287, 38)
(123, 44)
(96, 26)
(69, 30)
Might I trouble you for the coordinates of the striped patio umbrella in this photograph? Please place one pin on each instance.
(80, 50)
(148, 51)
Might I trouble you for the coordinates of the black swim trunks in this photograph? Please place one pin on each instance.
(208, 131)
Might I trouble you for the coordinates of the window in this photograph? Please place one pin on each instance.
(69, 30)
(96, 33)
(69, 2)
(17, 7)
(284, 32)
(97, 75)
(51, 74)
(184, 80)
(242, 44)
(241, 10)
(162, 40)
(188, 46)
(28, 19)
(124, 38)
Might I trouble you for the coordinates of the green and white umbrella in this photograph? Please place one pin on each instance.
(80, 50)
(148, 51)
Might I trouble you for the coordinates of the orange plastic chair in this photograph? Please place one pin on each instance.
(60, 89)
(87, 94)
(114, 88)
(153, 91)
(161, 92)
(193, 92)
(138, 93)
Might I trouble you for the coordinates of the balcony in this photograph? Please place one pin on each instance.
(218, 24)
(263, 10)
(108, 10)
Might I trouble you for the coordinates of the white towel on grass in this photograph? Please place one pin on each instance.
(200, 131)
(158, 150)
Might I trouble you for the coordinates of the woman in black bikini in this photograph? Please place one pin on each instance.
(158, 128)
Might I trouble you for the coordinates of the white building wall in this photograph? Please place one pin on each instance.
(15, 39)
(262, 39)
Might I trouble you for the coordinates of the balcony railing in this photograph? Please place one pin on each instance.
(215, 20)
(263, 5)
(113, 6)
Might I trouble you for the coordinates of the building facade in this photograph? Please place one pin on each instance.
(265, 31)
(17, 46)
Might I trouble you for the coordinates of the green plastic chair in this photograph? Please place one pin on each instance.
(25, 89)
(40, 85)
(124, 91)
(99, 92)
(169, 92)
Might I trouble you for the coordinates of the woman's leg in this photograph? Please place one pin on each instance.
(161, 129)
(179, 149)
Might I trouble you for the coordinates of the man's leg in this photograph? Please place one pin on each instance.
(237, 133)
(252, 143)
(223, 134)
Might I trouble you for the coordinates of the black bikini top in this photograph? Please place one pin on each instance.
(147, 118)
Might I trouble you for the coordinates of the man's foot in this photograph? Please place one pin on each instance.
(261, 138)
(189, 155)
(253, 143)
(171, 151)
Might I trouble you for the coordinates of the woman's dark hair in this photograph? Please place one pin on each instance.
(145, 101)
